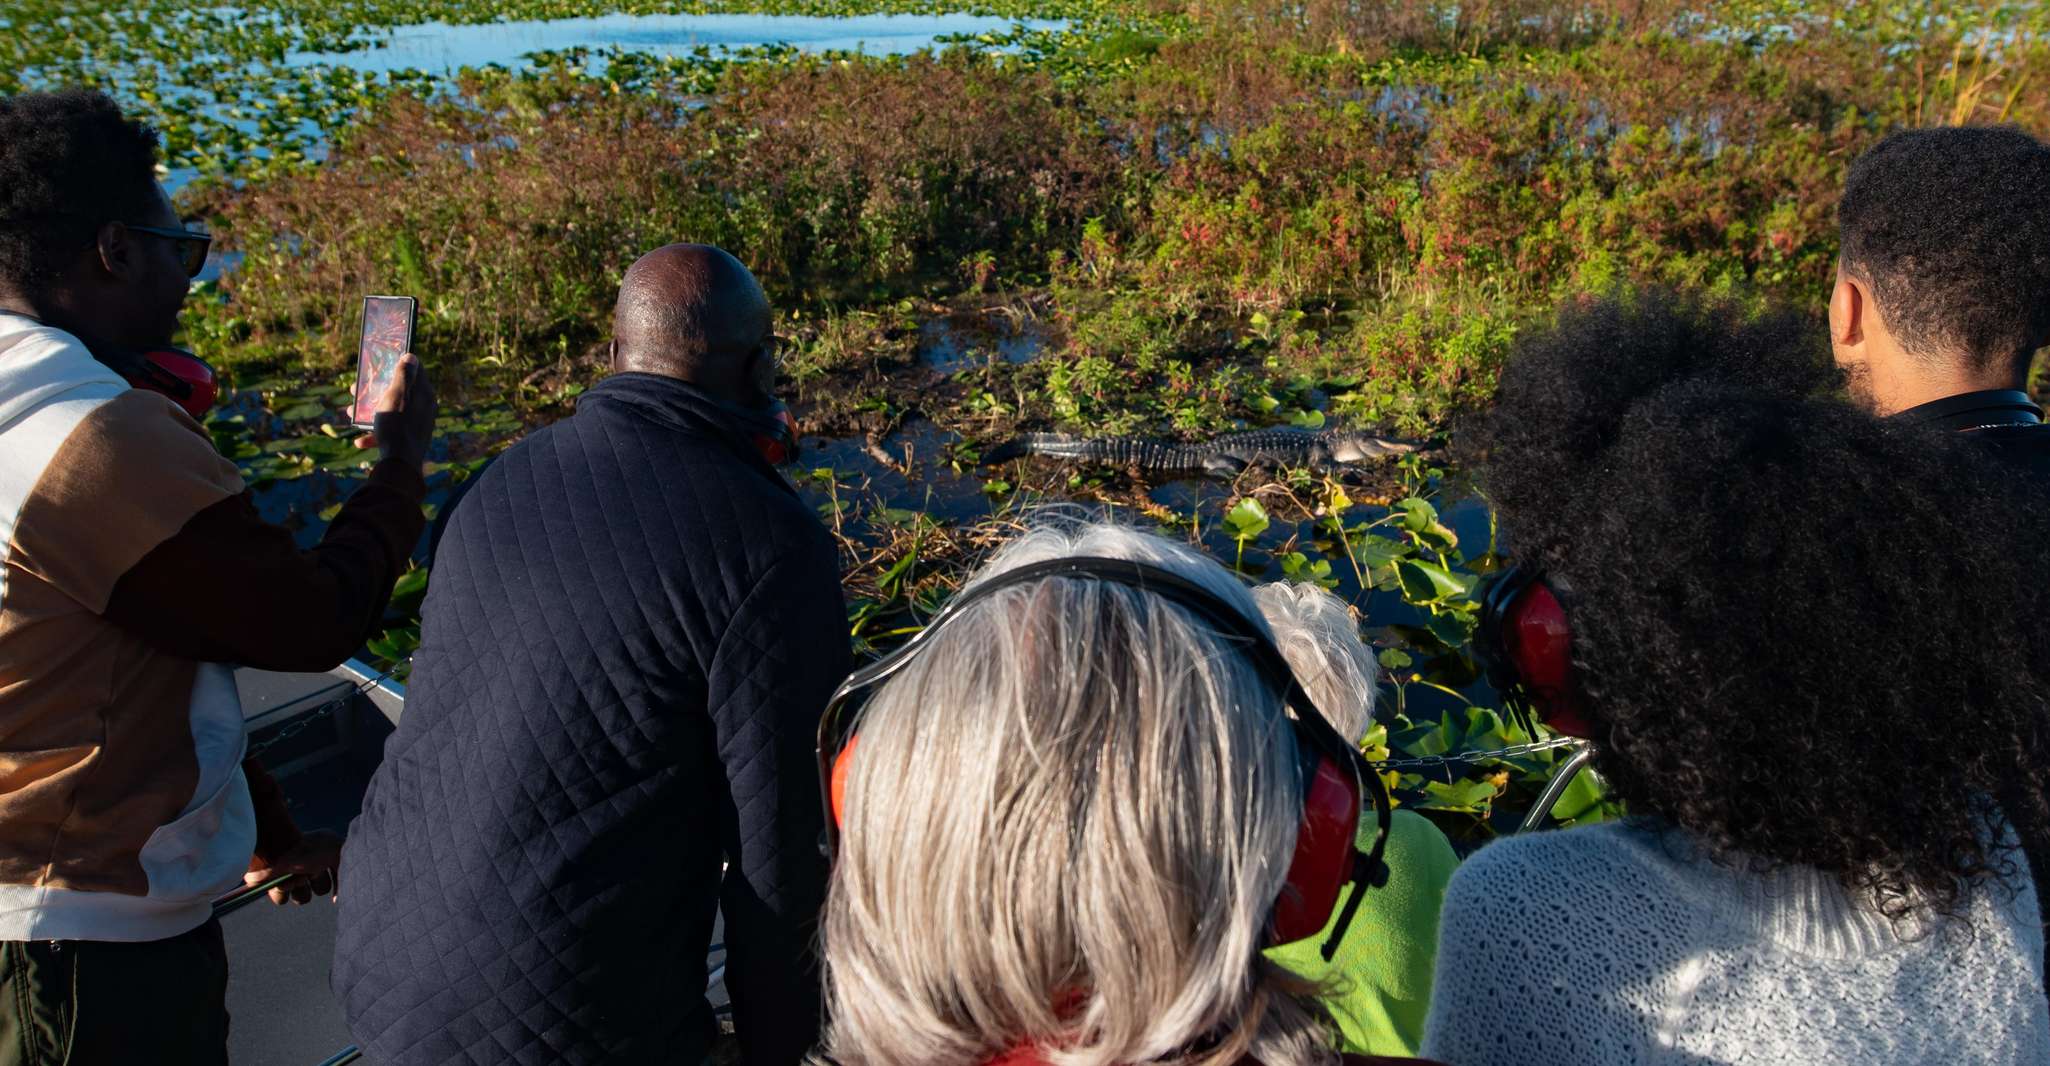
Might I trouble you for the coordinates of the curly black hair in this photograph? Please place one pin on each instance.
(1802, 633)
(69, 161)
(1951, 228)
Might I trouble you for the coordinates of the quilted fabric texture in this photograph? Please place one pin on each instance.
(632, 628)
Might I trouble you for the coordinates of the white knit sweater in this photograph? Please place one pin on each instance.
(1615, 944)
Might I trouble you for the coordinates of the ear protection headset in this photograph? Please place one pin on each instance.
(1336, 777)
(777, 439)
(174, 372)
(1526, 645)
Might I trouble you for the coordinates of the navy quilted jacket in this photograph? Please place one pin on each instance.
(632, 628)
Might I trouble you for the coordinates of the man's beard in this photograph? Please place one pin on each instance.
(763, 377)
(1858, 384)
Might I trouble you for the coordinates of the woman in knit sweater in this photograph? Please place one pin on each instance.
(1802, 640)
(1065, 822)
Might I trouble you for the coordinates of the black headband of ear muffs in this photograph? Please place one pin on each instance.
(1370, 869)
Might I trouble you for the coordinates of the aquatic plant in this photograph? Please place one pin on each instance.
(1214, 214)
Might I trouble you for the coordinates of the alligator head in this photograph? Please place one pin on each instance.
(1355, 447)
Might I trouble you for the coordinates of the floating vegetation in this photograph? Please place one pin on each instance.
(1131, 217)
(235, 88)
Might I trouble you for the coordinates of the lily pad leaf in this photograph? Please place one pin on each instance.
(1471, 796)
(1581, 799)
(1247, 520)
(1424, 582)
(1378, 552)
(1454, 628)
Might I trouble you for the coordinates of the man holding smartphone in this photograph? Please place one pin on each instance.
(610, 726)
(133, 565)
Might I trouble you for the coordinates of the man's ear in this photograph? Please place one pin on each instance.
(114, 251)
(1849, 304)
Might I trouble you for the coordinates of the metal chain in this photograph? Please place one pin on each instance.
(301, 723)
(1469, 758)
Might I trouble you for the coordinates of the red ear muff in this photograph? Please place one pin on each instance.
(836, 788)
(1540, 644)
(779, 447)
(178, 374)
(1526, 642)
(172, 372)
(1324, 853)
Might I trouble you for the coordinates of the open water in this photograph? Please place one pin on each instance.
(439, 47)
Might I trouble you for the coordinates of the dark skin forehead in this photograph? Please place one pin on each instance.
(692, 312)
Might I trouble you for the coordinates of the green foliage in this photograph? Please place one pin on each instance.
(536, 202)
(1300, 568)
(232, 90)
(1245, 522)
(1381, 215)
(1217, 213)
(1407, 550)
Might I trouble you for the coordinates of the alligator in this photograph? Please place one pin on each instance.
(1223, 456)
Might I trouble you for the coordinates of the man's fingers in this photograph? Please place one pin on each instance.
(366, 441)
(287, 891)
(302, 888)
(394, 398)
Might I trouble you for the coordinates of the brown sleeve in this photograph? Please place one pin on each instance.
(229, 587)
(276, 832)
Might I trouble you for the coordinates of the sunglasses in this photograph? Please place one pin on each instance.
(193, 245)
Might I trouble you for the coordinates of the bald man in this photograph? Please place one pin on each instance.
(632, 627)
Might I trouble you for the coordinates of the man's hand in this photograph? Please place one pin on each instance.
(404, 423)
(312, 865)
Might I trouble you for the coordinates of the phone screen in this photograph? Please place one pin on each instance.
(387, 335)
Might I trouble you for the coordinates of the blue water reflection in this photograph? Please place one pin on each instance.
(435, 47)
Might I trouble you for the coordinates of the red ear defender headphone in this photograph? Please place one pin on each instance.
(181, 375)
(1526, 645)
(1336, 777)
(173, 372)
(778, 447)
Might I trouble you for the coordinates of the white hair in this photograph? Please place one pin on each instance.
(1317, 636)
(1067, 821)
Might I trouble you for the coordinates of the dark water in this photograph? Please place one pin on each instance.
(921, 475)
(960, 342)
(918, 478)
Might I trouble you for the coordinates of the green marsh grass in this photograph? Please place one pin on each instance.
(1220, 213)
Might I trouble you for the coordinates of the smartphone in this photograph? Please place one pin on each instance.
(387, 335)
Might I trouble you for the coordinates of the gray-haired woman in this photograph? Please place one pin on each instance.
(1067, 824)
